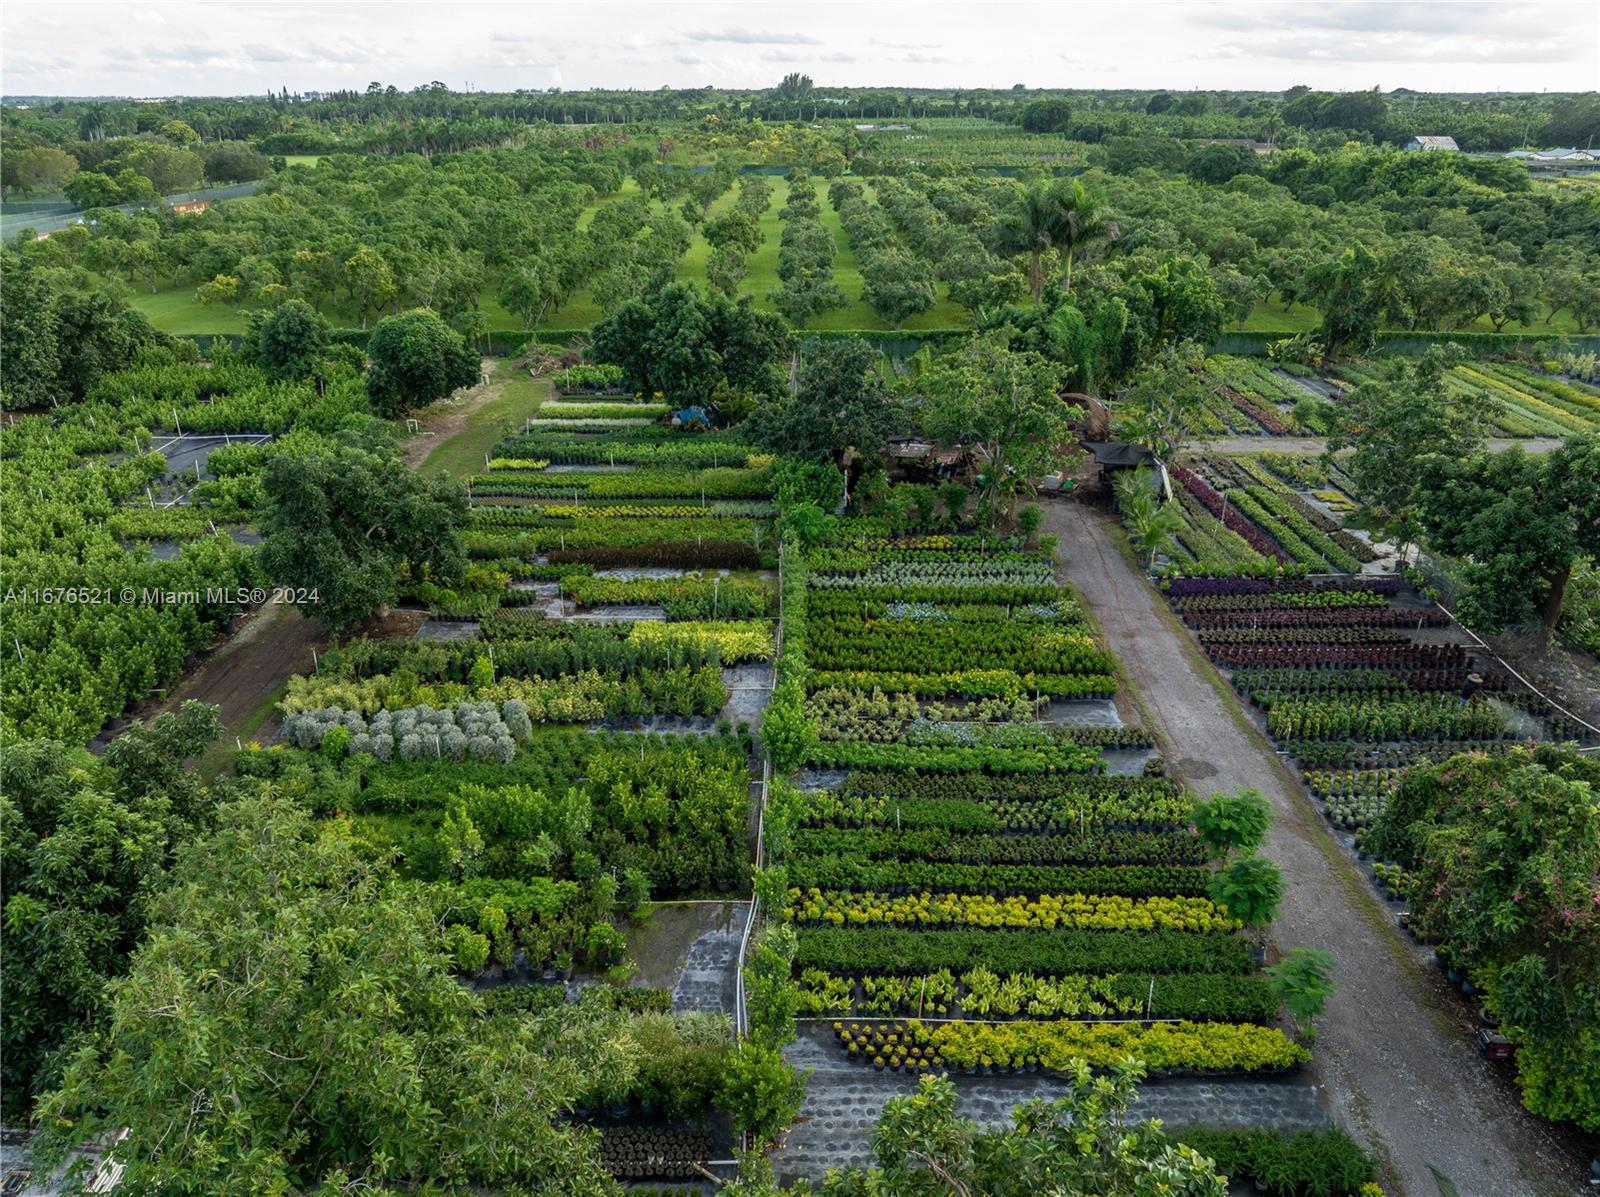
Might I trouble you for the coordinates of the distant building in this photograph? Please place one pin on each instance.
(1569, 154)
(189, 207)
(1432, 143)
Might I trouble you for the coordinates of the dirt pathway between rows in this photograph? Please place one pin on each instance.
(1393, 1052)
(270, 644)
(448, 418)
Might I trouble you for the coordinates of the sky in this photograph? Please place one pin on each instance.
(233, 47)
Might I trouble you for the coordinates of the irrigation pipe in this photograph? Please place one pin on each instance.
(1500, 661)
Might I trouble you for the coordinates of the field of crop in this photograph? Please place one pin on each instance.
(987, 882)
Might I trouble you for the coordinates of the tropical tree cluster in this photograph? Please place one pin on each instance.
(1509, 887)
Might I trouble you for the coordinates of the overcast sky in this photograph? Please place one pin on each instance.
(152, 48)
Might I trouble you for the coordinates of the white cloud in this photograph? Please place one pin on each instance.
(159, 47)
(748, 37)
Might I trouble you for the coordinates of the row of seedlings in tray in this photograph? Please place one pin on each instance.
(976, 894)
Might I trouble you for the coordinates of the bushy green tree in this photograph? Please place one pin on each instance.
(322, 1031)
(1165, 402)
(761, 1091)
(1521, 523)
(416, 358)
(1248, 889)
(1406, 413)
(290, 341)
(1233, 822)
(1303, 982)
(344, 521)
(689, 347)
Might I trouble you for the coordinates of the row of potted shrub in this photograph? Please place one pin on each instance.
(856, 951)
(982, 993)
(1165, 1047)
(1101, 912)
(1181, 587)
(900, 877)
(1396, 653)
(1071, 814)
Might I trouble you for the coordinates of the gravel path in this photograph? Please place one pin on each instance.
(1394, 1051)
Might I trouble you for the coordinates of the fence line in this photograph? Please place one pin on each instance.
(741, 1016)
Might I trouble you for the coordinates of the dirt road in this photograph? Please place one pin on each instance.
(271, 644)
(1393, 1052)
(448, 418)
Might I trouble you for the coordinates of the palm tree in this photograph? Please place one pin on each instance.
(92, 123)
(1084, 222)
(1035, 228)
(1270, 126)
(1151, 524)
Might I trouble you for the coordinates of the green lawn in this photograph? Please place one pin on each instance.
(176, 311)
(463, 453)
(1273, 316)
(302, 159)
(692, 266)
(761, 275)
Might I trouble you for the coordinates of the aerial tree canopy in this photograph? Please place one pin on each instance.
(1520, 521)
(416, 358)
(87, 847)
(323, 1036)
(344, 522)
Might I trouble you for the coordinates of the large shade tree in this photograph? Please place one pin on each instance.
(343, 522)
(293, 1021)
(841, 404)
(1001, 405)
(1392, 421)
(1520, 521)
(416, 358)
(689, 347)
